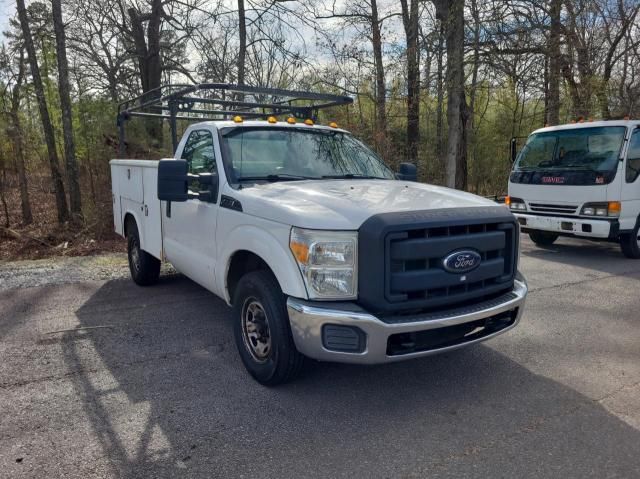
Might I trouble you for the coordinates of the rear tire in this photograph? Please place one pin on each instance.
(262, 331)
(630, 243)
(543, 238)
(145, 269)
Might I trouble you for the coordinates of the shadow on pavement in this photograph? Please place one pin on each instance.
(601, 256)
(171, 399)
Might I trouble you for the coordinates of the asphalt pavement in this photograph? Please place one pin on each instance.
(147, 383)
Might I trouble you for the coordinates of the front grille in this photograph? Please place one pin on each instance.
(552, 208)
(404, 272)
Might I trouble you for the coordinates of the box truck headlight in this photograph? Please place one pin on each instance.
(328, 262)
(610, 209)
(515, 204)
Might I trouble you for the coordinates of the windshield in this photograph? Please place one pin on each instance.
(274, 154)
(595, 149)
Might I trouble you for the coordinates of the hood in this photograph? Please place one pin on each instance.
(346, 204)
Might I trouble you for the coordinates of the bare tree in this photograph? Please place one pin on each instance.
(14, 127)
(410, 16)
(451, 13)
(64, 88)
(58, 185)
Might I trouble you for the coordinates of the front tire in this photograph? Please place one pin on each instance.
(630, 243)
(543, 238)
(144, 268)
(262, 331)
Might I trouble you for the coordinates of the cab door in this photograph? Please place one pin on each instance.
(189, 227)
(630, 195)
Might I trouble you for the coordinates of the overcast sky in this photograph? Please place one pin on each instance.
(7, 8)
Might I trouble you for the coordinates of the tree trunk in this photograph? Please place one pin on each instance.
(440, 95)
(149, 59)
(410, 22)
(73, 181)
(16, 134)
(552, 114)
(242, 49)
(381, 91)
(56, 177)
(452, 14)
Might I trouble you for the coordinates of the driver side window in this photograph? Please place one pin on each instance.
(199, 152)
(633, 157)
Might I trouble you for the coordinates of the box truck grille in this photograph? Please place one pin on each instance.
(409, 273)
(551, 208)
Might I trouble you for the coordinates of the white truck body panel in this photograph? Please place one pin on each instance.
(129, 178)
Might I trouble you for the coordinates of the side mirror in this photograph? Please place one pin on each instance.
(408, 172)
(173, 180)
(514, 149)
(208, 187)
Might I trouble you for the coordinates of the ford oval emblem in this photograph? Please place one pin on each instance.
(461, 261)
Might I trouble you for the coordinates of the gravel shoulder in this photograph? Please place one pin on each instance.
(61, 270)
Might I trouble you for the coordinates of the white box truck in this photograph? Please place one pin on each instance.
(320, 249)
(580, 180)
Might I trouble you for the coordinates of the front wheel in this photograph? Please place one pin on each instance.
(543, 238)
(630, 243)
(262, 331)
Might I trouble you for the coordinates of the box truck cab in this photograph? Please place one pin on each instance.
(580, 180)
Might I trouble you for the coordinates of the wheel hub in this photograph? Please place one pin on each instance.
(255, 330)
(135, 255)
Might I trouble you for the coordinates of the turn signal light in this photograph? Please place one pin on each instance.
(507, 200)
(614, 208)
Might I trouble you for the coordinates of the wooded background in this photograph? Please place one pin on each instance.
(444, 84)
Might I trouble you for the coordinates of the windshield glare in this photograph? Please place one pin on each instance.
(272, 153)
(595, 149)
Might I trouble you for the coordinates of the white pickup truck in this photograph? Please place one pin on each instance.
(582, 180)
(319, 248)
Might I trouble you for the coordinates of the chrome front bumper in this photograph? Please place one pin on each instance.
(308, 319)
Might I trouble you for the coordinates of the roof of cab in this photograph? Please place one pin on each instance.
(589, 124)
(218, 124)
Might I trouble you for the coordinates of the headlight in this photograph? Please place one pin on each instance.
(328, 262)
(610, 209)
(515, 204)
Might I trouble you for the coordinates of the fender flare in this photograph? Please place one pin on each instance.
(134, 214)
(269, 249)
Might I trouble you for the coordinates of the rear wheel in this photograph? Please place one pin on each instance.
(145, 269)
(262, 331)
(543, 238)
(630, 243)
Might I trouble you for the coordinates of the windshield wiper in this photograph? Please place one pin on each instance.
(350, 176)
(279, 177)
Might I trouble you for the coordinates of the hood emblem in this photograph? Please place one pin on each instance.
(461, 261)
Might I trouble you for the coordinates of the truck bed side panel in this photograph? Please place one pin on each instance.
(152, 211)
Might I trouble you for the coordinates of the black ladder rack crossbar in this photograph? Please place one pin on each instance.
(178, 102)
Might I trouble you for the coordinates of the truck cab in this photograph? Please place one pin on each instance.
(580, 180)
(321, 250)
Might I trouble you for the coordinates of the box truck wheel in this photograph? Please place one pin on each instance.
(630, 243)
(543, 238)
(262, 331)
(145, 269)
